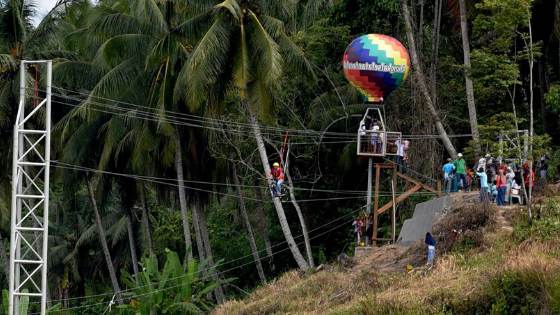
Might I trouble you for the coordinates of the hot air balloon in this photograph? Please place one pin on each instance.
(376, 65)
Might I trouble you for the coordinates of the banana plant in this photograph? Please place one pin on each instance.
(175, 289)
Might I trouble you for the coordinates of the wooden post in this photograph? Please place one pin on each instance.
(368, 206)
(376, 203)
(394, 214)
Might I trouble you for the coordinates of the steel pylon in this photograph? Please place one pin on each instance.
(30, 190)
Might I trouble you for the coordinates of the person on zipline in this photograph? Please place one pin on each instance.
(278, 177)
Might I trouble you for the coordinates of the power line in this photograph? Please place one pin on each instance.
(166, 181)
(224, 263)
(201, 119)
(187, 275)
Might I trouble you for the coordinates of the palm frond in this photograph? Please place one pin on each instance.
(114, 23)
(232, 6)
(87, 236)
(7, 63)
(151, 16)
(193, 28)
(120, 47)
(207, 61)
(118, 231)
(268, 61)
(200, 6)
(116, 80)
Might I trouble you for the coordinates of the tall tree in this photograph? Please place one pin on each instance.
(244, 45)
(468, 80)
(421, 81)
(103, 240)
(248, 227)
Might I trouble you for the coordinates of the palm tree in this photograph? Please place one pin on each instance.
(243, 47)
(139, 55)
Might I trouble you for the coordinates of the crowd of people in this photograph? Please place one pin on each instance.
(498, 180)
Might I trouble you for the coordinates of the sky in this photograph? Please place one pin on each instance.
(43, 7)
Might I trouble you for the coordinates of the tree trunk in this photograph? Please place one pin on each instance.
(263, 226)
(146, 222)
(301, 262)
(4, 258)
(132, 246)
(182, 196)
(201, 249)
(531, 118)
(301, 218)
(104, 246)
(421, 81)
(435, 49)
(207, 250)
(247, 223)
(421, 27)
(468, 81)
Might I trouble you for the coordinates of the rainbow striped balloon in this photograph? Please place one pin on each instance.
(376, 65)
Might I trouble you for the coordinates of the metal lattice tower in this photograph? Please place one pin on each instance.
(30, 193)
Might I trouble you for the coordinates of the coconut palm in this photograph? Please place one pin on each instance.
(139, 55)
(243, 48)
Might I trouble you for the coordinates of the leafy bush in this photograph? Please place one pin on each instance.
(517, 293)
(544, 227)
(176, 289)
(552, 98)
(463, 228)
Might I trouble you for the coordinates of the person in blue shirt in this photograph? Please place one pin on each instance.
(484, 188)
(448, 169)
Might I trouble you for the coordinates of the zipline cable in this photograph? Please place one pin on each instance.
(164, 181)
(223, 263)
(197, 118)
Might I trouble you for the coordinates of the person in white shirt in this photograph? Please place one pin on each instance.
(376, 139)
(400, 153)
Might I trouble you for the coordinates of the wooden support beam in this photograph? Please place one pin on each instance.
(399, 199)
(394, 206)
(376, 202)
(427, 187)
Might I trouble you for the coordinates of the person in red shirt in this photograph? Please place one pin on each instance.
(501, 185)
(278, 177)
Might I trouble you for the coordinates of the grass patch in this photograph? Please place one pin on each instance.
(545, 225)
(479, 270)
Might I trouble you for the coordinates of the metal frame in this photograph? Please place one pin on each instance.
(374, 113)
(30, 196)
(506, 140)
(383, 134)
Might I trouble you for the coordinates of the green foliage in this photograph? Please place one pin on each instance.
(498, 21)
(504, 124)
(24, 304)
(516, 293)
(552, 98)
(175, 289)
(167, 229)
(545, 225)
(200, 57)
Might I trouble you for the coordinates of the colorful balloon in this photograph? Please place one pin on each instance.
(376, 65)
